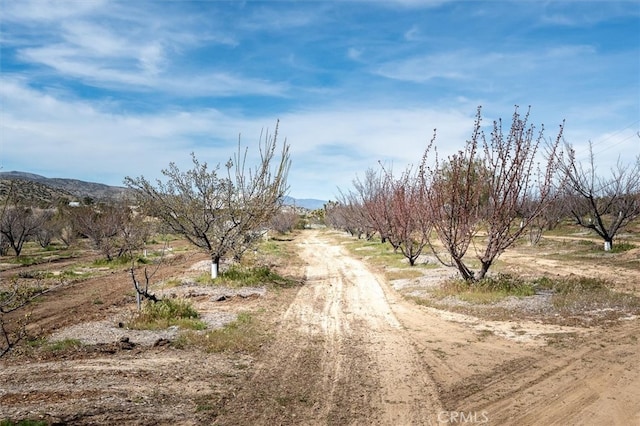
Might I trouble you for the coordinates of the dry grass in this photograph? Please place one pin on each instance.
(576, 294)
(244, 335)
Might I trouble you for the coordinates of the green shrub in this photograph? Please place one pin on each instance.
(507, 284)
(26, 260)
(571, 284)
(488, 290)
(62, 345)
(115, 262)
(622, 247)
(24, 422)
(167, 313)
(45, 345)
(238, 276)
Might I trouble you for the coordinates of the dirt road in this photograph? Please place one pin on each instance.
(341, 355)
(349, 350)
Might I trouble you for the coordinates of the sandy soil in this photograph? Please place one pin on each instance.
(347, 348)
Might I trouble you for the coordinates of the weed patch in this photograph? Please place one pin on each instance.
(113, 263)
(63, 345)
(26, 260)
(242, 335)
(621, 247)
(488, 290)
(239, 276)
(46, 346)
(592, 295)
(167, 313)
(24, 422)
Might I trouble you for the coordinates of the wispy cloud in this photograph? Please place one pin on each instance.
(123, 55)
(350, 138)
(42, 11)
(478, 65)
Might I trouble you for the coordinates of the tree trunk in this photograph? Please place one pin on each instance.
(608, 245)
(215, 266)
(466, 273)
(483, 270)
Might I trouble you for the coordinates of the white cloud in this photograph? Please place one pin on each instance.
(39, 11)
(476, 65)
(143, 72)
(354, 54)
(413, 3)
(76, 139)
(420, 69)
(412, 34)
(132, 50)
(572, 14)
(48, 134)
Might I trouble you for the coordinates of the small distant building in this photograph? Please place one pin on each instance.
(74, 203)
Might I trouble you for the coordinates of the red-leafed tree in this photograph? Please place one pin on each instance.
(478, 195)
(408, 215)
(376, 193)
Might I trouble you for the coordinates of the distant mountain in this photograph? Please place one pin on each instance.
(45, 190)
(70, 188)
(307, 203)
(32, 192)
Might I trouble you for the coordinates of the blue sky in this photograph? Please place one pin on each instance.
(99, 90)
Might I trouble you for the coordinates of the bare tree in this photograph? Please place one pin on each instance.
(11, 334)
(106, 226)
(394, 208)
(66, 225)
(49, 229)
(12, 298)
(219, 214)
(4, 246)
(555, 211)
(486, 187)
(455, 200)
(602, 204)
(334, 215)
(375, 199)
(134, 233)
(284, 221)
(408, 215)
(142, 291)
(19, 223)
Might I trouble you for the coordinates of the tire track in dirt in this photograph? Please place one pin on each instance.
(340, 357)
(596, 383)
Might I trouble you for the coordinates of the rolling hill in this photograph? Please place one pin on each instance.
(42, 190)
